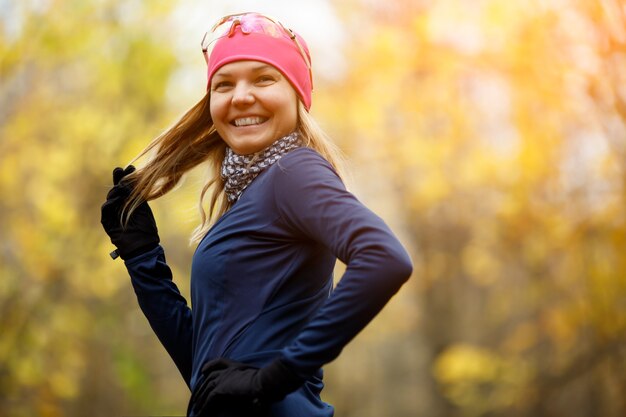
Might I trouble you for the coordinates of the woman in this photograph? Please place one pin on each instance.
(265, 316)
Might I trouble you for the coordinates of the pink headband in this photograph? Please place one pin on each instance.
(280, 51)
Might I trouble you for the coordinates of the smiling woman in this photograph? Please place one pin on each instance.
(252, 104)
(265, 315)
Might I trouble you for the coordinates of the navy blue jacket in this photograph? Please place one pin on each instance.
(262, 284)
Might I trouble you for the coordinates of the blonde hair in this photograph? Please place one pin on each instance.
(193, 140)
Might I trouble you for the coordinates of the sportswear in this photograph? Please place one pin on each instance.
(262, 279)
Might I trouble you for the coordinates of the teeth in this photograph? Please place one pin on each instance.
(247, 121)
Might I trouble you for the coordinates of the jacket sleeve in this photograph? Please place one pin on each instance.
(312, 200)
(163, 305)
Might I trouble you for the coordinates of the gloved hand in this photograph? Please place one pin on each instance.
(140, 235)
(233, 384)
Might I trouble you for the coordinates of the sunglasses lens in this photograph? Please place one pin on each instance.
(247, 27)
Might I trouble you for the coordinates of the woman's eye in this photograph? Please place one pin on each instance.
(265, 79)
(222, 85)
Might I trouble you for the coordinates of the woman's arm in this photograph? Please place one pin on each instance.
(313, 201)
(137, 242)
(163, 305)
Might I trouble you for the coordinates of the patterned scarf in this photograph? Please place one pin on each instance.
(238, 171)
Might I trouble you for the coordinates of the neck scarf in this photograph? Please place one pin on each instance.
(238, 171)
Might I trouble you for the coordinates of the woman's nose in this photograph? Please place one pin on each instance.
(243, 94)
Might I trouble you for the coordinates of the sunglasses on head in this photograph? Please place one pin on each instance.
(251, 23)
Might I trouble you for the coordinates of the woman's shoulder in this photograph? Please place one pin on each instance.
(303, 153)
(304, 159)
(304, 169)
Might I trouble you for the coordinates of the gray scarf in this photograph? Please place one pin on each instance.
(238, 171)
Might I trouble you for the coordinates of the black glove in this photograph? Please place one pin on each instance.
(228, 384)
(140, 235)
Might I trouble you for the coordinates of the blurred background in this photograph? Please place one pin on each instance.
(490, 134)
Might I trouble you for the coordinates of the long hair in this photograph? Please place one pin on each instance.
(193, 140)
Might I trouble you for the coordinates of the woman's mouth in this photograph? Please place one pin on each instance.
(248, 121)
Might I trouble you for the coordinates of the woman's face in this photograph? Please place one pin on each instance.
(252, 105)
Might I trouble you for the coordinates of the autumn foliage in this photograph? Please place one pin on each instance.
(490, 134)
